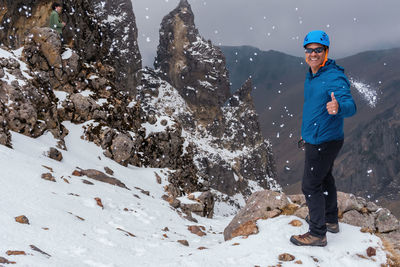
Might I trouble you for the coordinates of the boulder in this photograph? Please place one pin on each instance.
(121, 148)
(83, 107)
(100, 176)
(386, 221)
(208, 200)
(347, 202)
(261, 205)
(356, 218)
(55, 154)
(49, 43)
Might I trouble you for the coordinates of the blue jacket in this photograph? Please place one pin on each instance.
(318, 126)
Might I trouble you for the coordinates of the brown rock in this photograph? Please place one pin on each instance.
(298, 262)
(87, 182)
(356, 218)
(99, 203)
(50, 45)
(66, 180)
(22, 219)
(235, 244)
(35, 248)
(371, 252)
(108, 171)
(15, 252)
(48, 176)
(4, 260)
(296, 223)
(386, 221)
(76, 173)
(299, 199)
(126, 232)
(201, 248)
(286, 257)
(121, 148)
(80, 218)
(366, 230)
(49, 168)
(245, 229)
(184, 242)
(208, 200)
(261, 205)
(314, 259)
(290, 209)
(102, 177)
(197, 230)
(347, 202)
(55, 154)
(158, 178)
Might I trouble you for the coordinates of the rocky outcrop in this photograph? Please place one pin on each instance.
(119, 41)
(208, 144)
(352, 210)
(28, 108)
(192, 65)
(101, 30)
(239, 130)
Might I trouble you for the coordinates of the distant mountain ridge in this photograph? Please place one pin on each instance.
(373, 171)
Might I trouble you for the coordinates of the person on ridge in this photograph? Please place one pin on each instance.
(54, 21)
(327, 101)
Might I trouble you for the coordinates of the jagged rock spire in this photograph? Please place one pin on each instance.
(243, 95)
(184, 3)
(192, 65)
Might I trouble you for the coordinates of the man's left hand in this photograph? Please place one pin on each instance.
(332, 106)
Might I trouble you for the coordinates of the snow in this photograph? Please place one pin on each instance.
(52, 209)
(67, 54)
(366, 91)
(61, 95)
(15, 54)
(158, 127)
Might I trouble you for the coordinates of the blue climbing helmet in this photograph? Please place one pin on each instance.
(319, 37)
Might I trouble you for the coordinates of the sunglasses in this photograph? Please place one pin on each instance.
(316, 50)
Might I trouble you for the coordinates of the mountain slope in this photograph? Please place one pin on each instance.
(131, 228)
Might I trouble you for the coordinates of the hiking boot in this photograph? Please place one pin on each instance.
(330, 227)
(308, 240)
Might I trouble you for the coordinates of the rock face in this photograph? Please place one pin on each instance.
(236, 152)
(189, 125)
(241, 132)
(119, 41)
(192, 65)
(101, 30)
(28, 108)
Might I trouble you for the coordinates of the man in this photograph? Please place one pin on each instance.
(54, 21)
(327, 100)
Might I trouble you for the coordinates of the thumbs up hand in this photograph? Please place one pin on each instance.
(332, 106)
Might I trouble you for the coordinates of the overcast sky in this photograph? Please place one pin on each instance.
(352, 25)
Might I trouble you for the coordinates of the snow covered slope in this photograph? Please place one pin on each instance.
(135, 227)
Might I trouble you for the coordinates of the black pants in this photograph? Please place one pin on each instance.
(319, 185)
